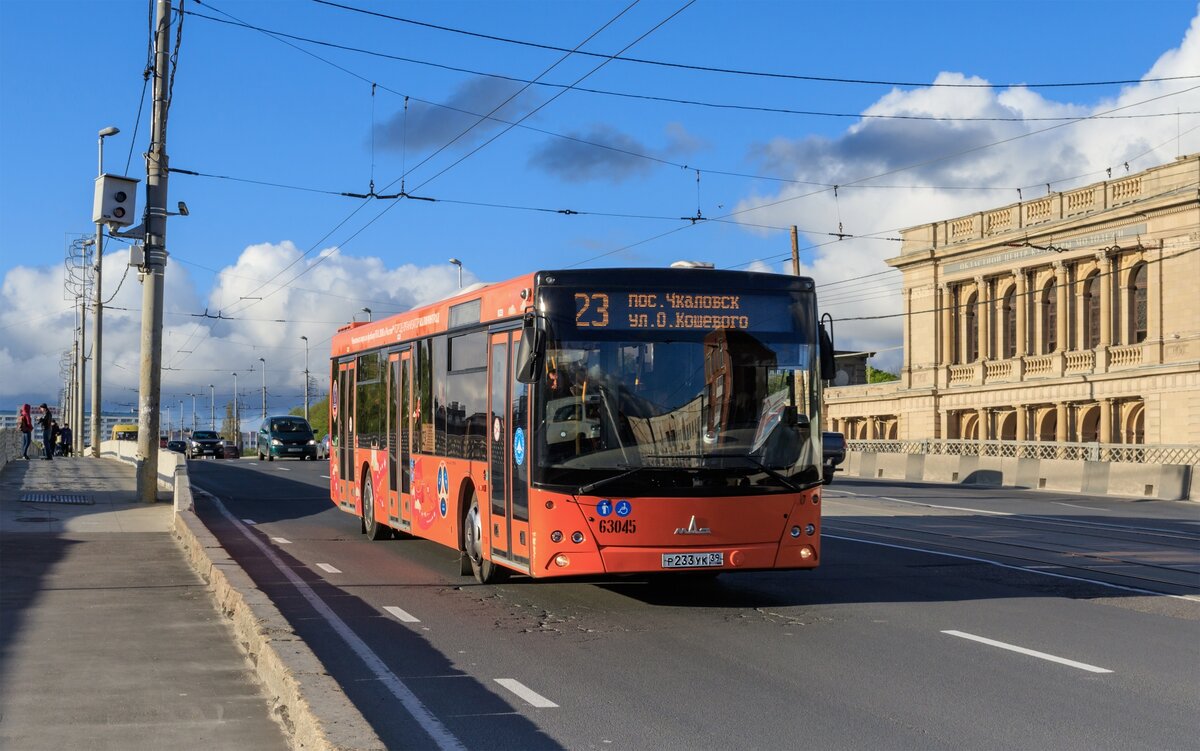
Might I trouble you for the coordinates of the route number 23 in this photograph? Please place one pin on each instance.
(591, 310)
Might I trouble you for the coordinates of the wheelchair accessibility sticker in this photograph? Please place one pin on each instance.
(519, 446)
(443, 487)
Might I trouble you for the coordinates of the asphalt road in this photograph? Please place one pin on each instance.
(941, 617)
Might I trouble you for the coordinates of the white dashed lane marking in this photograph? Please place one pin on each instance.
(1030, 652)
(401, 614)
(328, 569)
(251, 522)
(281, 540)
(526, 693)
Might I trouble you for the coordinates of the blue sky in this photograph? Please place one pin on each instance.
(250, 107)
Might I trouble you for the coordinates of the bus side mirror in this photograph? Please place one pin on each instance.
(530, 350)
(828, 366)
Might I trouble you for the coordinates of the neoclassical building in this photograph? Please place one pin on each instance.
(1072, 317)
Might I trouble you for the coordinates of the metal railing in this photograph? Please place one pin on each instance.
(1093, 452)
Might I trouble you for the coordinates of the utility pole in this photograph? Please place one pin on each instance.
(81, 374)
(97, 315)
(305, 338)
(795, 252)
(212, 408)
(264, 362)
(150, 380)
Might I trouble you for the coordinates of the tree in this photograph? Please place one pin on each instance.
(318, 416)
(228, 428)
(875, 375)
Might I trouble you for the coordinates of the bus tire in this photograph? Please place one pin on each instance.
(370, 527)
(485, 571)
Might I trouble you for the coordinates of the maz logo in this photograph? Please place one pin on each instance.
(692, 529)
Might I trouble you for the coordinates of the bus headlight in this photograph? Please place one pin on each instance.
(795, 531)
(810, 530)
(576, 537)
(562, 561)
(556, 536)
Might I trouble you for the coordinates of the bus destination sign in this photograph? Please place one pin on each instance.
(686, 311)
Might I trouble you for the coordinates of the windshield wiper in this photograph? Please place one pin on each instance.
(744, 457)
(584, 489)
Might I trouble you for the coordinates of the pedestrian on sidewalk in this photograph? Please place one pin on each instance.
(46, 423)
(26, 425)
(64, 439)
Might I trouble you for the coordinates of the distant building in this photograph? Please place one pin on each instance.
(1071, 317)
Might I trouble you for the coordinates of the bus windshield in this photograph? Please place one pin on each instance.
(677, 393)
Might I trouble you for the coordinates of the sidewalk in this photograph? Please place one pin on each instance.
(108, 637)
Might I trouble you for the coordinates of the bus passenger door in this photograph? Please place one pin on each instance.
(393, 435)
(345, 437)
(508, 458)
(404, 410)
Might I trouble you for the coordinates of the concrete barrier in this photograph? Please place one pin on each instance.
(1159, 481)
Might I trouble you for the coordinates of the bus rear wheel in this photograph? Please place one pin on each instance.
(370, 527)
(485, 571)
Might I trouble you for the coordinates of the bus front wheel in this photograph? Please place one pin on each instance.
(485, 571)
(370, 527)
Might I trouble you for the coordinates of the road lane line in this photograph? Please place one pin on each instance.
(324, 477)
(438, 732)
(282, 540)
(1072, 505)
(401, 614)
(251, 522)
(283, 469)
(329, 569)
(1026, 569)
(525, 693)
(1030, 652)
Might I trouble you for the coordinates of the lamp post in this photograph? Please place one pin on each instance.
(264, 399)
(305, 338)
(368, 312)
(212, 408)
(193, 412)
(98, 311)
(237, 427)
(458, 263)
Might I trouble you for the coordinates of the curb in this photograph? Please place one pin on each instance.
(308, 704)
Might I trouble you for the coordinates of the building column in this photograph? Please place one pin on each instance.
(947, 325)
(983, 424)
(982, 314)
(1021, 427)
(1106, 409)
(1106, 301)
(1022, 305)
(1060, 304)
(1060, 422)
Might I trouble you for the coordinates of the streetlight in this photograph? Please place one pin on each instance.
(458, 263)
(237, 425)
(368, 312)
(98, 311)
(264, 362)
(305, 338)
(212, 408)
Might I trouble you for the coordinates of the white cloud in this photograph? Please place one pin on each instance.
(914, 153)
(36, 324)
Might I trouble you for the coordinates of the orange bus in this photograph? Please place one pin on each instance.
(599, 421)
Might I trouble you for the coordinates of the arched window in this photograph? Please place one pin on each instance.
(1091, 312)
(1010, 323)
(971, 348)
(1049, 305)
(1137, 303)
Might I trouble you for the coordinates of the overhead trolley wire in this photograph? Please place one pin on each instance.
(733, 71)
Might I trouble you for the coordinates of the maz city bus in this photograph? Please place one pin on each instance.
(601, 421)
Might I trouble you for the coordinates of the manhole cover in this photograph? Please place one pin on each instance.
(74, 499)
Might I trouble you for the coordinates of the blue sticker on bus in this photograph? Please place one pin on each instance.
(604, 507)
(519, 446)
(624, 508)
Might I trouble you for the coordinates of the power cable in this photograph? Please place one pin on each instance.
(733, 71)
(654, 98)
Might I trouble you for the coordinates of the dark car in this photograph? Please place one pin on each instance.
(286, 436)
(833, 448)
(178, 447)
(229, 450)
(205, 443)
